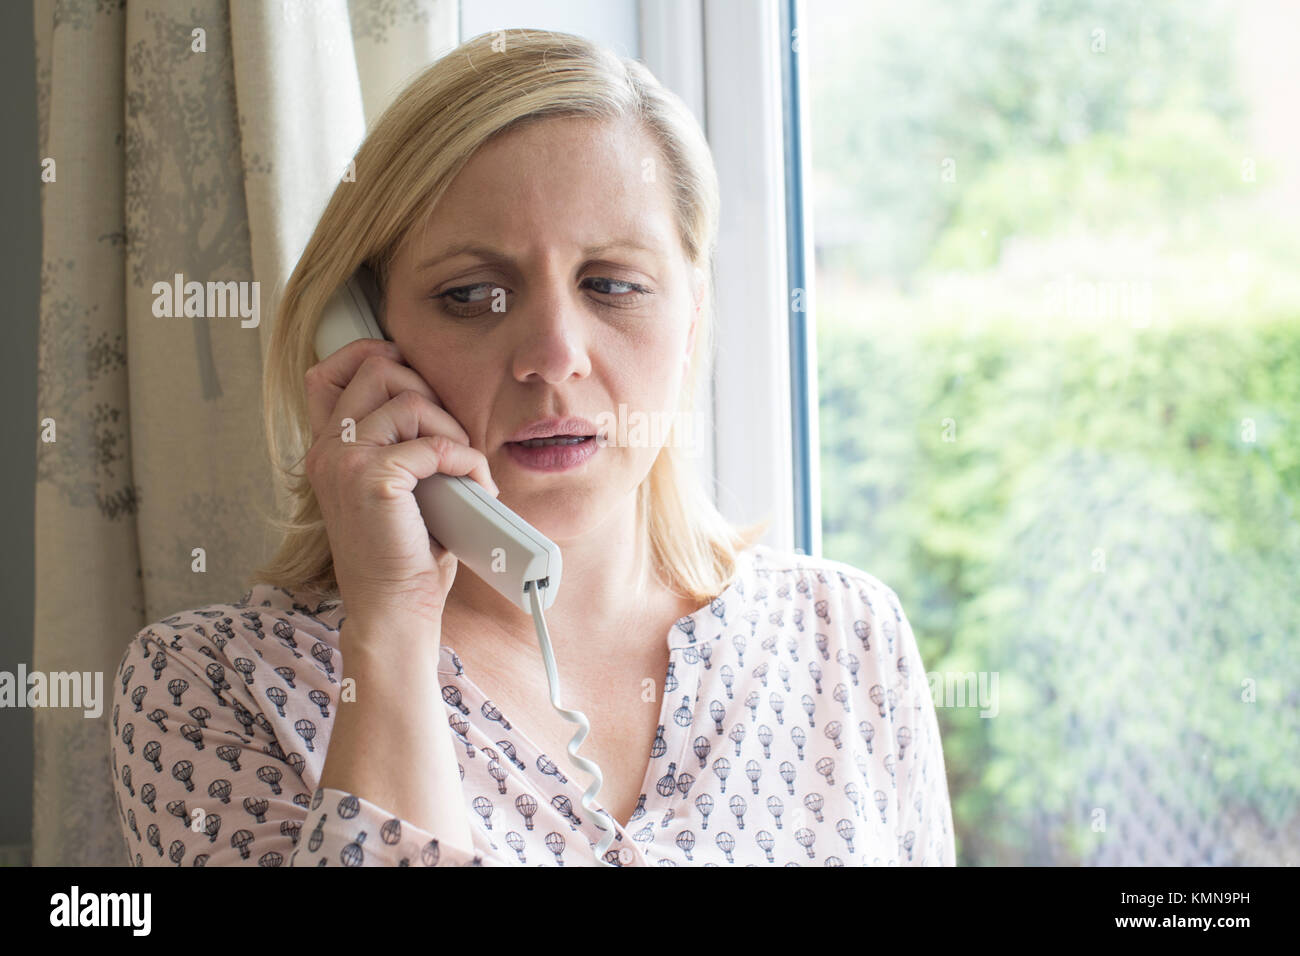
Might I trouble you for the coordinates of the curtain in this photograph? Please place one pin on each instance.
(201, 140)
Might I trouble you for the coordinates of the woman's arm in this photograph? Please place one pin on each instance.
(206, 768)
(392, 745)
(925, 830)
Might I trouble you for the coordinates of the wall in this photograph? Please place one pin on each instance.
(20, 270)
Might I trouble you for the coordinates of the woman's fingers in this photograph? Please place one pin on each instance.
(408, 416)
(359, 378)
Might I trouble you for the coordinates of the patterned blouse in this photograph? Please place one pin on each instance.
(796, 728)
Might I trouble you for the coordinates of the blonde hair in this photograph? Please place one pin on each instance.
(403, 167)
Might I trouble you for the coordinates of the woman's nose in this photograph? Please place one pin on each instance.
(552, 330)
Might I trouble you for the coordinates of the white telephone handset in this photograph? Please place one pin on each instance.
(495, 543)
(491, 540)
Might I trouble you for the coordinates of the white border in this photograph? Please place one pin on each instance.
(753, 447)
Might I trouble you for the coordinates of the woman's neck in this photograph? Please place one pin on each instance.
(597, 593)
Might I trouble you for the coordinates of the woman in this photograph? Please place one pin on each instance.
(540, 220)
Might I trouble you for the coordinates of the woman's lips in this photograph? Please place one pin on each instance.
(560, 457)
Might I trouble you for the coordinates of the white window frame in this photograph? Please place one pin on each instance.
(722, 58)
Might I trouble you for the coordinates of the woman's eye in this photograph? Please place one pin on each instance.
(453, 294)
(636, 289)
(483, 292)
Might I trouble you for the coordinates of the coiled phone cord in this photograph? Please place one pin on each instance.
(575, 717)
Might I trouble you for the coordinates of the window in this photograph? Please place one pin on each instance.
(1058, 367)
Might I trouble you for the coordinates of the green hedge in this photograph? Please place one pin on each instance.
(1102, 532)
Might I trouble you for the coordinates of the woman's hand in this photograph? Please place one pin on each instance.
(385, 560)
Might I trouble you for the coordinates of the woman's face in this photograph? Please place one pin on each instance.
(541, 323)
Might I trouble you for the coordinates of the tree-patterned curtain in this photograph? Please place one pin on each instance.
(198, 141)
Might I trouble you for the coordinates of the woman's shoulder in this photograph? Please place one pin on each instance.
(823, 575)
(838, 596)
(263, 610)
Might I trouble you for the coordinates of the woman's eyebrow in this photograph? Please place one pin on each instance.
(494, 255)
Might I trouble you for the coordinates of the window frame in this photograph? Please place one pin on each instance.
(731, 62)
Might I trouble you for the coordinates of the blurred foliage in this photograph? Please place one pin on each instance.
(902, 93)
(1165, 171)
(1113, 528)
(1094, 498)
